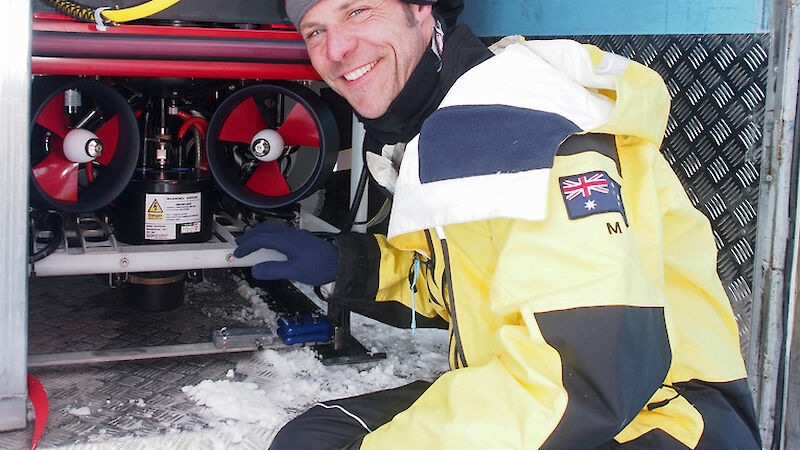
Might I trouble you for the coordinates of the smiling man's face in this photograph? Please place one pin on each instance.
(366, 50)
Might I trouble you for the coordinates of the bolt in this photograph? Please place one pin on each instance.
(270, 103)
(123, 262)
(94, 148)
(260, 148)
(229, 258)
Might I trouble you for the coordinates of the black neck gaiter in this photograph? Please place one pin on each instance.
(426, 87)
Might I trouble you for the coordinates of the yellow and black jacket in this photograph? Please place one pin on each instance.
(539, 219)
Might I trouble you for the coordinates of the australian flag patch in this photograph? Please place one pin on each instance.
(591, 193)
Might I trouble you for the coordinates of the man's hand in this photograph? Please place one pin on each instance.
(309, 259)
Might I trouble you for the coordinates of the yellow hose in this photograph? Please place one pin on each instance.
(86, 14)
(139, 11)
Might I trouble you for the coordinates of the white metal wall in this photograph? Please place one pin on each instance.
(14, 107)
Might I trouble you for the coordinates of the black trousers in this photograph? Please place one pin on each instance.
(343, 423)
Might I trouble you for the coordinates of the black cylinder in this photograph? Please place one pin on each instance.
(164, 206)
(156, 291)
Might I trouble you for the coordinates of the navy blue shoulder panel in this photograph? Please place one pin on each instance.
(728, 414)
(471, 140)
(614, 358)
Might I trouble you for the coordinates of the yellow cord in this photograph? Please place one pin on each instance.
(139, 11)
(73, 9)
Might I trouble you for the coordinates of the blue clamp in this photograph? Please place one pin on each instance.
(302, 329)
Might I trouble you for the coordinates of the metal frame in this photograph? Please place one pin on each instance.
(112, 256)
(790, 423)
(14, 118)
(766, 357)
(62, 46)
(140, 353)
(92, 256)
(181, 69)
(63, 24)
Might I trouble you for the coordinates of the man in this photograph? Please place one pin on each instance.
(532, 211)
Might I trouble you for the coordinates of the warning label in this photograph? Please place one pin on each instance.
(166, 212)
(155, 207)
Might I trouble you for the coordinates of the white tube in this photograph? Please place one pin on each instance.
(357, 158)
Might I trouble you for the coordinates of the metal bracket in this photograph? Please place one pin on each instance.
(344, 348)
(233, 338)
(225, 340)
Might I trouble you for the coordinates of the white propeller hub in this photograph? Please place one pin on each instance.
(82, 146)
(267, 145)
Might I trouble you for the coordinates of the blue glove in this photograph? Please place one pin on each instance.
(310, 260)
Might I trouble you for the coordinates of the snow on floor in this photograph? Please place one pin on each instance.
(256, 398)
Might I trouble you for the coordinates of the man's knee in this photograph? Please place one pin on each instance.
(288, 437)
(340, 423)
(318, 428)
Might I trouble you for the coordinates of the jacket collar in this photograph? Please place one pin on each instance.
(427, 87)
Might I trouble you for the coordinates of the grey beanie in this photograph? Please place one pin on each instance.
(296, 9)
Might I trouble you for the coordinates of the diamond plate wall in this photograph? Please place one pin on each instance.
(714, 137)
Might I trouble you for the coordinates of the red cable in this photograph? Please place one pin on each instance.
(198, 123)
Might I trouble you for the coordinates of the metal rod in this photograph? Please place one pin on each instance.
(81, 123)
(138, 353)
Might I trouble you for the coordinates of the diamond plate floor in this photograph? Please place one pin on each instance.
(91, 403)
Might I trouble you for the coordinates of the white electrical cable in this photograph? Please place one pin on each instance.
(98, 19)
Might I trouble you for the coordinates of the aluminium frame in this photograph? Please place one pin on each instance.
(14, 167)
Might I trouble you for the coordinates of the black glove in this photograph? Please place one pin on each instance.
(310, 260)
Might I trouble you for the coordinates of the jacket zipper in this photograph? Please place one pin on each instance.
(431, 265)
(447, 280)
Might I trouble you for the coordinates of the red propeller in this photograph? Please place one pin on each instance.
(52, 116)
(56, 174)
(299, 128)
(245, 121)
(268, 180)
